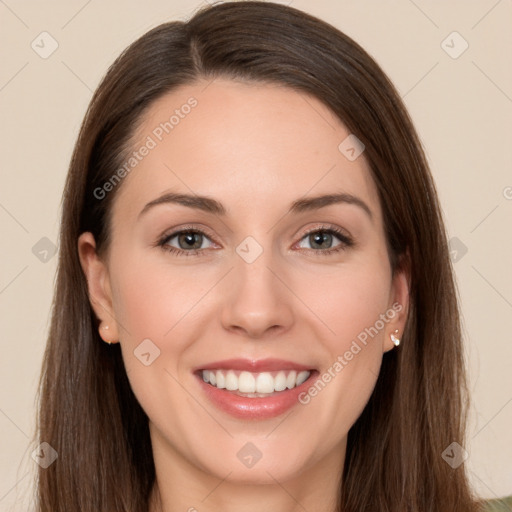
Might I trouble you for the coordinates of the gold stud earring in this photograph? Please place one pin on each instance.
(394, 338)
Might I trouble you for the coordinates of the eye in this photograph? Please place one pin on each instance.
(190, 241)
(186, 242)
(321, 240)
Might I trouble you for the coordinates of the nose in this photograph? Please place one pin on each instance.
(258, 302)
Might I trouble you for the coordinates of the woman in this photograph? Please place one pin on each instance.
(255, 307)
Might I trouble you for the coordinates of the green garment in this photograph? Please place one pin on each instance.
(499, 505)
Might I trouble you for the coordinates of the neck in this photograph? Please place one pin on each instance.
(183, 486)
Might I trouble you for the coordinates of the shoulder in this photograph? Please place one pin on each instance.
(498, 505)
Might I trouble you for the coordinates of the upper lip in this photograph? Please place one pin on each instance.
(251, 365)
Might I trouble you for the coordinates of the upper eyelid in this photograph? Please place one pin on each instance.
(187, 229)
(327, 227)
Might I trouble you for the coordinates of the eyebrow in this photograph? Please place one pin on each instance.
(210, 205)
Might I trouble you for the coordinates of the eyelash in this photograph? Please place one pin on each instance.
(346, 241)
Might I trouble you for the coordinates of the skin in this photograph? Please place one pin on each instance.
(256, 149)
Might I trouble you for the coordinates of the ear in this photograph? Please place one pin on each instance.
(98, 284)
(398, 303)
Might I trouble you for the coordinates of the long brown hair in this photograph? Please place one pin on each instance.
(88, 412)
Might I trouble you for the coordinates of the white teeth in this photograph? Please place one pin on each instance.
(221, 380)
(265, 383)
(291, 380)
(302, 377)
(247, 382)
(231, 381)
(280, 381)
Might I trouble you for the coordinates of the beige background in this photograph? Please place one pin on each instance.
(462, 108)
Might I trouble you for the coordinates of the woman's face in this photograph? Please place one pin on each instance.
(273, 287)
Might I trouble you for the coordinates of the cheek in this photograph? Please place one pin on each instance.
(349, 302)
(162, 302)
(155, 306)
(150, 299)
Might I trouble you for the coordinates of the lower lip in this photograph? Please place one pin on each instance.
(255, 408)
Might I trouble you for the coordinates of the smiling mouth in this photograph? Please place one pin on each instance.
(254, 384)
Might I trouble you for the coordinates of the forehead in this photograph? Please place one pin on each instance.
(250, 145)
